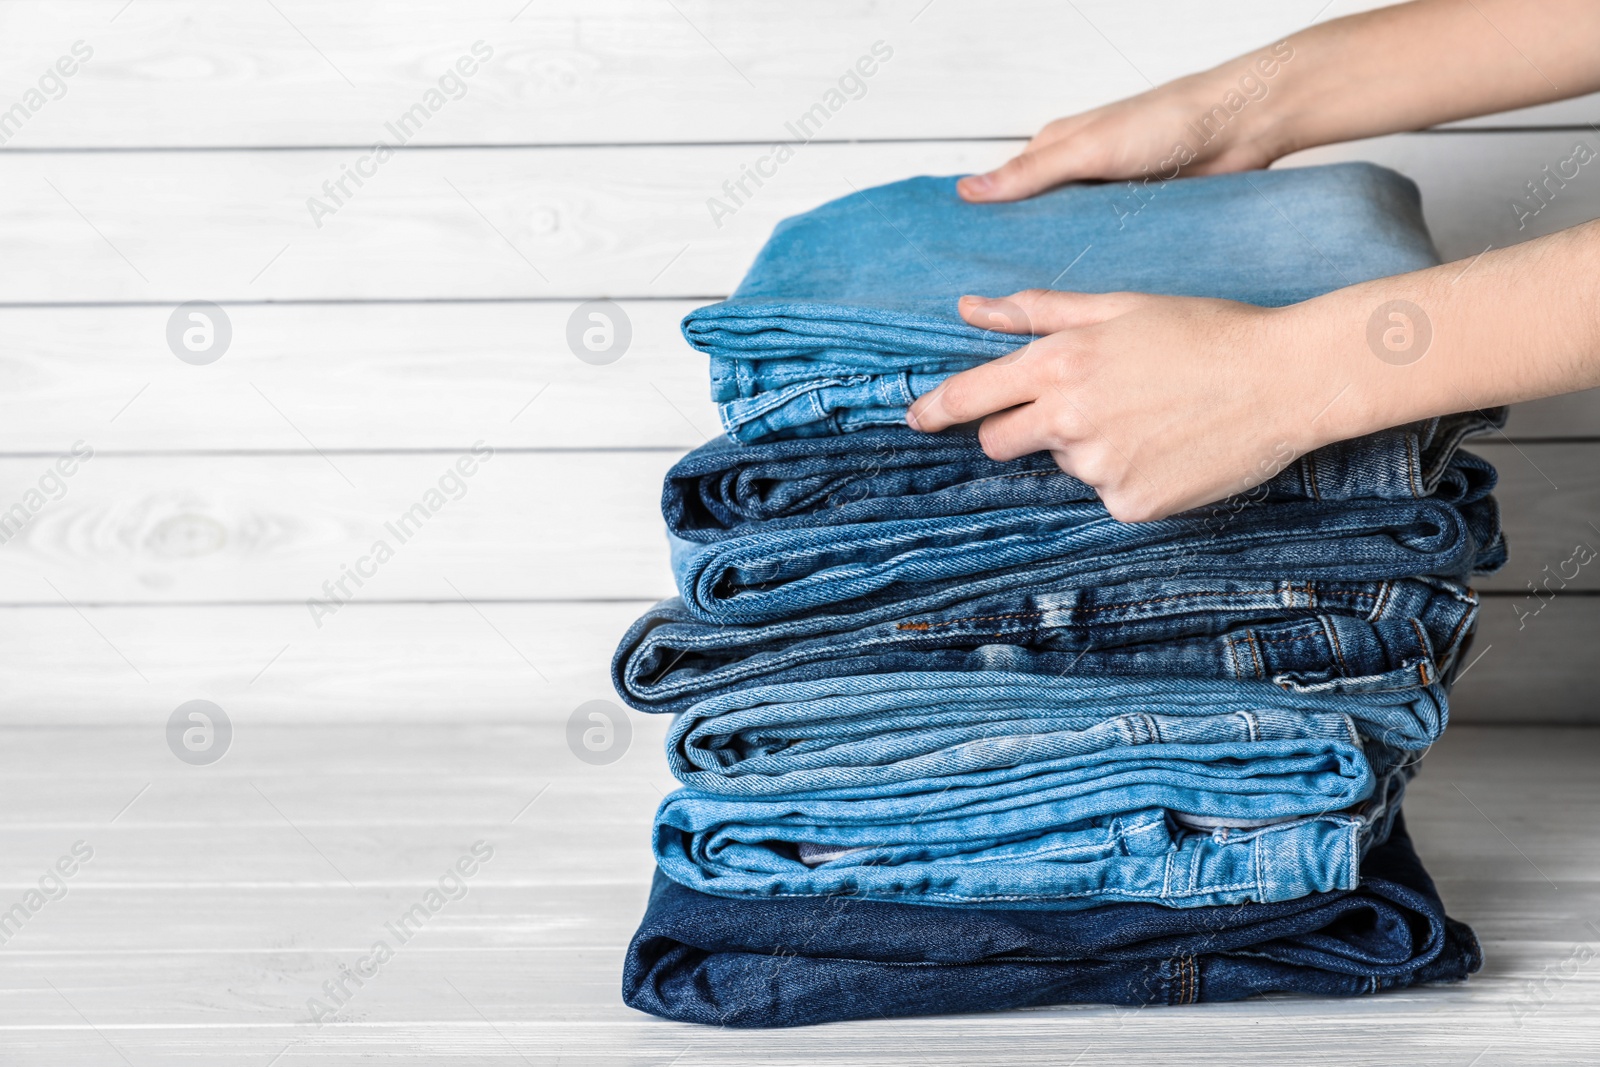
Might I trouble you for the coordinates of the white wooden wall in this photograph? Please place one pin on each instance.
(429, 312)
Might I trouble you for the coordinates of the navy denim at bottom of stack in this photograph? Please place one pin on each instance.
(797, 961)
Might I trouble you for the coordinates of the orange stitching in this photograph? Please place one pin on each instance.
(1338, 650)
(1422, 668)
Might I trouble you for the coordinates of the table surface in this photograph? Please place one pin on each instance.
(219, 899)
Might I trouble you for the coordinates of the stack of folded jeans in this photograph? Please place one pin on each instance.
(951, 737)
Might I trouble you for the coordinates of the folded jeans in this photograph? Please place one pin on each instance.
(888, 735)
(797, 961)
(722, 489)
(922, 564)
(1303, 635)
(1048, 842)
(849, 310)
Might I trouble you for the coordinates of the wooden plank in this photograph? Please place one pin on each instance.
(411, 376)
(171, 74)
(584, 525)
(443, 662)
(1572, 415)
(1530, 661)
(1549, 496)
(151, 955)
(1472, 183)
(168, 227)
(360, 377)
(277, 527)
(370, 663)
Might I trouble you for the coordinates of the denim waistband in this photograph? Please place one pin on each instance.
(1344, 636)
(921, 563)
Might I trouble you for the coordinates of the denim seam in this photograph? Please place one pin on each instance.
(1034, 897)
(1413, 466)
(1287, 639)
(1309, 466)
(1249, 639)
(1422, 664)
(1354, 598)
(1381, 602)
(1455, 634)
(1338, 650)
(1233, 658)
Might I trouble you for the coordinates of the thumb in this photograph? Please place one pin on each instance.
(1029, 173)
(1042, 311)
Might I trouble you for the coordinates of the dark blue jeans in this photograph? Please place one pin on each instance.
(793, 962)
(1306, 636)
(722, 489)
(920, 563)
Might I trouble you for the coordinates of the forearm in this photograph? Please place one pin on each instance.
(1516, 324)
(1418, 64)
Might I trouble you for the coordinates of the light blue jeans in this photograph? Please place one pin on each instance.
(849, 311)
(1036, 848)
(895, 734)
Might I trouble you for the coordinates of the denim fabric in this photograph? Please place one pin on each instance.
(797, 961)
(1052, 839)
(722, 489)
(890, 735)
(1303, 635)
(849, 311)
(917, 562)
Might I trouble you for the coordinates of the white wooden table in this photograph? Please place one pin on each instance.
(222, 898)
(429, 313)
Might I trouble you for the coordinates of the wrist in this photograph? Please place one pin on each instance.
(1253, 102)
(1326, 376)
(1371, 343)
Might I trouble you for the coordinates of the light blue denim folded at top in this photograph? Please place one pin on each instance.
(849, 311)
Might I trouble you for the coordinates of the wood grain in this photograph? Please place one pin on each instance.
(432, 663)
(370, 663)
(562, 223)
(395, 376)
(525, 526)
(171, 74)
(205, 921)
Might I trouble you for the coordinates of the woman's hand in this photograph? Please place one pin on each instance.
(1161, 403)
(1401, 67)
(1208, 123)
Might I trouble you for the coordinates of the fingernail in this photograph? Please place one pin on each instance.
(976, 183)
(915, 411)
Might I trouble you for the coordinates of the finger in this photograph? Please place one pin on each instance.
(1042, 311)
(1019, 431)
(972, 394)
(1030, 172)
